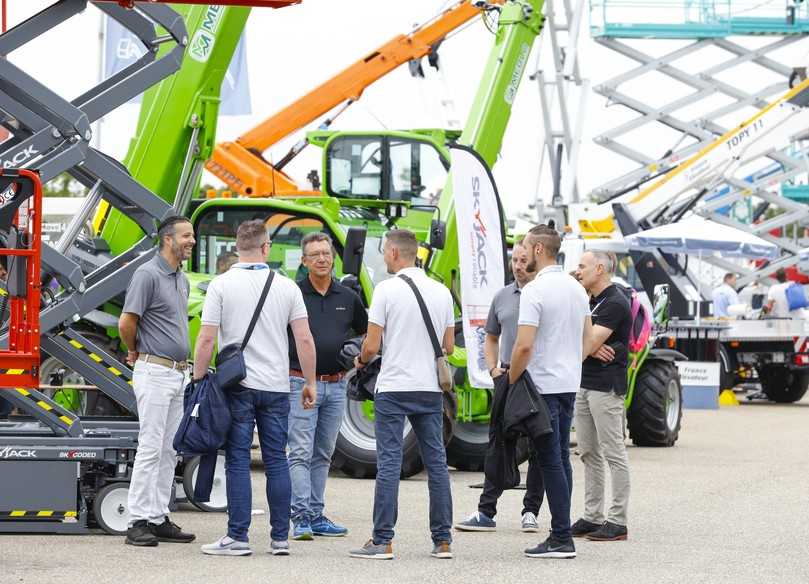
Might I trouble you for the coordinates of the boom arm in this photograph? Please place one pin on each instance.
(177, 124)
(239, 164)
(519, 25)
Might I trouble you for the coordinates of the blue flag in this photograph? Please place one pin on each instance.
(122, 48)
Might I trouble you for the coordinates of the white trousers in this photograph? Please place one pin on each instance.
(159, 393)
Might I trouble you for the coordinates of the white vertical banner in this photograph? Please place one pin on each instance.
(481, 250)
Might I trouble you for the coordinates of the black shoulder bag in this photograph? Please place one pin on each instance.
(442, 368)
(230, 366)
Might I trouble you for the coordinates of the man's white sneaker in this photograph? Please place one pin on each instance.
(227, 546)
(279, 548)
(529, 523)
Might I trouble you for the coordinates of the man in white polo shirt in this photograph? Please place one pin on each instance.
(407, 387)
(553, 335)
(262, 399)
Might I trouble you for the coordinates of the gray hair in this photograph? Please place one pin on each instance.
(606, 259)
(314, 237)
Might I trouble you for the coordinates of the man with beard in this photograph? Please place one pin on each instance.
(408, 387)
(554, 333)
(154, 327)
(501, 330)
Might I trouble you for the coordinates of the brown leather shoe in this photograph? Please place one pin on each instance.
(442, 551)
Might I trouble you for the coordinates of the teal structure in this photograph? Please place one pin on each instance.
(696, 19)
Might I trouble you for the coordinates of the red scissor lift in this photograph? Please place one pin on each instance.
(20, 222)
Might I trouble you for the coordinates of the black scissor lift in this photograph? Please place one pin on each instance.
(59, 472)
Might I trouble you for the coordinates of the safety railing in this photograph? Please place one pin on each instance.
(690, 19)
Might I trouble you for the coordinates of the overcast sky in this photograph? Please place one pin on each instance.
(294, 49)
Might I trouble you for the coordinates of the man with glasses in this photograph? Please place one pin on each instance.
(335, 314)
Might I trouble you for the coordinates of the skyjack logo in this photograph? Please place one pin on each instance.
(7, 195)
(478, 239)
(9, 452)
(21, 157)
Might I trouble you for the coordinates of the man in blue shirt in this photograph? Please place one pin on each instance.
(725, 295)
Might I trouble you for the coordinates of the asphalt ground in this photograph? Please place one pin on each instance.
(727, 504)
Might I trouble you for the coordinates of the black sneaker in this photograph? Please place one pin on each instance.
(171, 532)
(140, 535)
(552, 548)
(582, 528)
(609, 532)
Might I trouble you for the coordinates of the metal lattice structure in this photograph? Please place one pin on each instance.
(708, 23)
(563, 96)
(753, 196)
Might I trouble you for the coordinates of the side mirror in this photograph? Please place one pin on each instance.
(438, 234)
(353, 250)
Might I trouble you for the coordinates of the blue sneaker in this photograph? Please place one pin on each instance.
(477, 522)
(302, 530)
(327, 528)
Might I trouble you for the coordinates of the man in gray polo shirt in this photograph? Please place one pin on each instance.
(154, 327)
(501, 331)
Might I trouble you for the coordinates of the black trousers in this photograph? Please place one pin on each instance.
(535, 487)
(534, 493)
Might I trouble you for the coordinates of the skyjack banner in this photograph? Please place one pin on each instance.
(481, 249)
(122, 48)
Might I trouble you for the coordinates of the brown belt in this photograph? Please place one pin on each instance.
(329, 378)
(181, 366)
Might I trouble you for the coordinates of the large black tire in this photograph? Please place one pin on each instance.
(466, 449)
(656, 411)
(783, 385)
(218, 501)
(355, 451)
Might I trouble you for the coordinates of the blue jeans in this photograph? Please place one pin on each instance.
(312, 436)
(424, 411)
(553, 451)
(564, 410)
(268, 411)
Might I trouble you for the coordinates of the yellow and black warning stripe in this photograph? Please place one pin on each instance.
(100, 360)
(37, 514)
(34, 397)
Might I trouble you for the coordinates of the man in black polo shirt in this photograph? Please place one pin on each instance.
(335, 314)
(599, 416)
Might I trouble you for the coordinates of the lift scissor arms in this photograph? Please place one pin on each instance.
(52, 135)
(769, 130)
(239, 164)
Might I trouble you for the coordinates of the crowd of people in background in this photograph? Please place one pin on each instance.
(562, 340)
